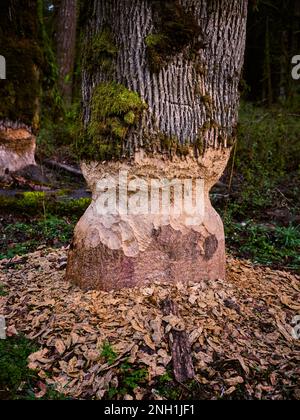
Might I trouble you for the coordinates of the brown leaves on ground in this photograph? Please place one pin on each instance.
(240, 330)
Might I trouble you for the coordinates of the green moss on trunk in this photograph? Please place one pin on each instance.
(171, 146)
(114, 110)
(176, 30)
(100, 52)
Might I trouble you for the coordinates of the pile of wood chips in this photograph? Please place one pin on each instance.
(243, 340)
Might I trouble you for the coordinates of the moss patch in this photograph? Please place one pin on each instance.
(32, 219)
(101, 52)
(199, 146)
(114, 110)
(199, 143)
(172, 146)
(176, 30)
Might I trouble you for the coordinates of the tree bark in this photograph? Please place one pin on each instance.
(20, 91)
(183, 59)
(66, 46)
(180, 347)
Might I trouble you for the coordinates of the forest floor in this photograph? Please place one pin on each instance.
(241, 330)
(98, 345)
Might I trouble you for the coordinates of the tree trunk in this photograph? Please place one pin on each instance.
(160, 92)
(268, 64)
(20, 91)
(66, 46)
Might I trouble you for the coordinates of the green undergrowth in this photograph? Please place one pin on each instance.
(267, 245)
(56, 138)
(35, 219)
(3, 291)
(17, 381)
(267, 162)
(130, 376)
(108, 353)
(42, 204)
(21, 238)
(262, 214)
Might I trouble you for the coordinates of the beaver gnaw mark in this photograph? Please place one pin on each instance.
(210, 247)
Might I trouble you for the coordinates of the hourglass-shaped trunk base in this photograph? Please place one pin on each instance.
(111, 252)
(17, 150)
(172, 256)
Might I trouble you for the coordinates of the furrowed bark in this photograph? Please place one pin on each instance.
(180, 348)
(188, 94)
(66, 46)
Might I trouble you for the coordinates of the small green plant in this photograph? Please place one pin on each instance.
(288, 236)
(132, 377)
(108, 353)
(167, 387)
(3, 291)
(166, 378)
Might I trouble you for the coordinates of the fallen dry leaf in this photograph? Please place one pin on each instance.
(240, 330)
(43, 390)
(60, 346)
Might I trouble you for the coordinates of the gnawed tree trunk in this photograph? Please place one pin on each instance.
(183, 60)
(66, 46)
(20, 91)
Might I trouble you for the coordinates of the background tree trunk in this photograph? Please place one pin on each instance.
(268, 63)
(66, 46)
(20, 92)
(183, 59)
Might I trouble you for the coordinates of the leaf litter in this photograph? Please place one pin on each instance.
(240, 330)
